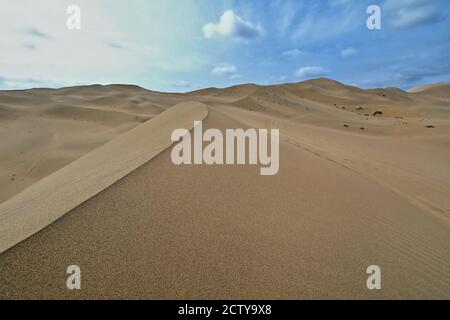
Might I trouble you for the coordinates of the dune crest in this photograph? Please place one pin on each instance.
(52, 197)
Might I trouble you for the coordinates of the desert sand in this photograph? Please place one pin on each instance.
(364, 180)
(47, 129)
(50, 198)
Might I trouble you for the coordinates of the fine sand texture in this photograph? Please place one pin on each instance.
(52, 197)
(364, 180)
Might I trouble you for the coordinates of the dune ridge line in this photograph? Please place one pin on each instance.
(50, 198)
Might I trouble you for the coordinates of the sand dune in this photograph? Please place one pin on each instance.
(433, 89)
(49, 129)
(55, 195)
(364, 179)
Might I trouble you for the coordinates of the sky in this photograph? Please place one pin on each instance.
(183, 45)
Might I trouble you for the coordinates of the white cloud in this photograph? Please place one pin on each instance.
(293, 52)
(348, 52)
(227, 70)
(415, 17)
(311, 72)
(231, 25)
(411, 13)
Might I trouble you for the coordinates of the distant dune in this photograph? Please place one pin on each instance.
(48, 128)
(364, 179)
(436, 91)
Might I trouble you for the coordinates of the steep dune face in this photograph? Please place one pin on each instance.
(47, 129)
(52, 197)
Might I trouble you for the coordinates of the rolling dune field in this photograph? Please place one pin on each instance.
(364, 179)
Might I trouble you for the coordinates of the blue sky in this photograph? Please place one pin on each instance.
(182, 45)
